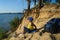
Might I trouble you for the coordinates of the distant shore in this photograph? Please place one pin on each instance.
(11, 13)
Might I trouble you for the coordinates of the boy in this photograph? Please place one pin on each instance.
(30, 26)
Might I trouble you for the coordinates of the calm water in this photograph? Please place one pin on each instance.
(6, 18)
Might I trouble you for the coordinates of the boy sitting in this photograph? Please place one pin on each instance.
(30, 26)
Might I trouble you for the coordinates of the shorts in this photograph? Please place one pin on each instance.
(28, 30)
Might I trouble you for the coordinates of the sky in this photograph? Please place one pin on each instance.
(53, 1)
(13, 6)
(7, 6)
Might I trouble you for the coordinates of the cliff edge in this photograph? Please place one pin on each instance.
(41, 17)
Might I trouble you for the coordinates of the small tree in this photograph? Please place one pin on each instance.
(2, 33)
(14, 23)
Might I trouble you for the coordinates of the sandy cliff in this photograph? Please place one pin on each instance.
(41, 17)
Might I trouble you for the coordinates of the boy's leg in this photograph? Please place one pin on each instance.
(24, 30)
(34, 30)
(41, 33)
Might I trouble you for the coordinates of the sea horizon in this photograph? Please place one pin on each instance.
(13, 13)
(5, 18)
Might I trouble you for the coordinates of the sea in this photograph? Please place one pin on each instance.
(5, 18)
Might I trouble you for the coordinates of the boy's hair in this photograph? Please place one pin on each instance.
(30, 19)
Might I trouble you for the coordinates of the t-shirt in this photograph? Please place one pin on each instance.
(29, 26)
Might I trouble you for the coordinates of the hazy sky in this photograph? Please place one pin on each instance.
(13, 5)
(53, 1)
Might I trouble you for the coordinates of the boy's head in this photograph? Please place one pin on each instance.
(30, 19)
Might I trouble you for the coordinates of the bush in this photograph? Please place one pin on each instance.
(14, 23)
(2, 33)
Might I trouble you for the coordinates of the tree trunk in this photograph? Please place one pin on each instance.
(39, 3)
(28, 4)
(34, 2)
(44, 1)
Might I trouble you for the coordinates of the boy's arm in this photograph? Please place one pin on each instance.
(34, 25)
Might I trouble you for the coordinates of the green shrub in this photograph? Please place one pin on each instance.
(14, 23)
(2, 33)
